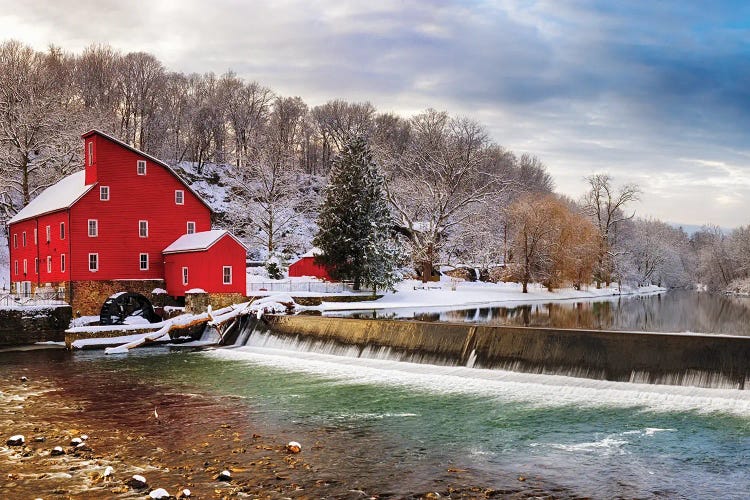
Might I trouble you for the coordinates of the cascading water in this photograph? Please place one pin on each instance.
(664, 359)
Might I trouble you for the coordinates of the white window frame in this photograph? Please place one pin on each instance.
(36, 237)
(185, 275)
(25, 266)
(62, 262)
(96, 262)
(62, 231)
(103, 193)
(23, 239)
(49, 233)
(190, 227)
(140, 167)
(95, 227)
(91, 152)
(179, 197)
(15, 267)
(140, 261)
(49, 264)
(36, 265)
(15, 240)
(224, 275)
(143, 224)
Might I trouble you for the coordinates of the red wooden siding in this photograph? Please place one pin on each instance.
(41, 250)
(205, 268)
(306, 266)
(132, 198)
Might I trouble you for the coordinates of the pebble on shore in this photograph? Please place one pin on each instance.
(17, 440)
(137, 482)
(159, 493)
(57, 451)
(224, 475)
(293, 447)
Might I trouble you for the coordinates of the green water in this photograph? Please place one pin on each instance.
(396, 426)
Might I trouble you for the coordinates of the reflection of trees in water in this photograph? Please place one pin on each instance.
(677, 311)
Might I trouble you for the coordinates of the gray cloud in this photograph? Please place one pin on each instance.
(654, 93)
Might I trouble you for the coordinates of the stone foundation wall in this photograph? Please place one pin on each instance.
(88, 296)
(219, 300)
(26, 325)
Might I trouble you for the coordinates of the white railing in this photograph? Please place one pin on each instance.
(42, 297)
(303, 286)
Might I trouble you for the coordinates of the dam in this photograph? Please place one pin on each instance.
(709, 361)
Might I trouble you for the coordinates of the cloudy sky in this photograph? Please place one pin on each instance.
(651, 92)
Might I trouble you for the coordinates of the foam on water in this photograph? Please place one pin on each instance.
(533, 389)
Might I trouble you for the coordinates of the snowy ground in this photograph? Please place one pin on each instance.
(413, 293)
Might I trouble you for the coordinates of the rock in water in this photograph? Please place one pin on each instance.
(108, 472)
(137, 482)
(293, 447)
(84, 437)
(184, 493)
(57, 451)
(224, 475)
(24, 379)
(40, 439)
(159, 493)
(76, 441)
(17, 440)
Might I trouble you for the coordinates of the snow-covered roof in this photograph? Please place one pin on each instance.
(197, 242)
(313, 252)
(59, 196)
(152, 158)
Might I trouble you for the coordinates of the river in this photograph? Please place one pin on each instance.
(675, 312)
(399, 430)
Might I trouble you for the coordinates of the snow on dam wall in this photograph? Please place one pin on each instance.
(26, 325)
(656, 358)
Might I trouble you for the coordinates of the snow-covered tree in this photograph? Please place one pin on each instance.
(354, 221)
(606, 206)
(438, 180)
(39, 120)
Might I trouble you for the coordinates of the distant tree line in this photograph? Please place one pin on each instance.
(454, 195)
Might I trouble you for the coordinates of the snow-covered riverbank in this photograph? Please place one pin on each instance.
(412, 293)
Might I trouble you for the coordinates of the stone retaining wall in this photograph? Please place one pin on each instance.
(88, 296)
(26, 325)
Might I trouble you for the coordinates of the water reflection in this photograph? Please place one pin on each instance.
(675, 311)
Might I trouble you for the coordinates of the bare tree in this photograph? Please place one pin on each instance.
(38, 119)
(439, 179)
(606, 205)
(246, 108)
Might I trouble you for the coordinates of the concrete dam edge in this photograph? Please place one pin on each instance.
(642, 357)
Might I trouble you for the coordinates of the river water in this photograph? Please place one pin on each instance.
(676, 311)
(398, 428)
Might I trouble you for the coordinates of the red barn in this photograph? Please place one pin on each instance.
(211, 260)
(306, 266)
(104, 229)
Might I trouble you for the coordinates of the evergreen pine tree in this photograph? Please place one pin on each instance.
(354, 221)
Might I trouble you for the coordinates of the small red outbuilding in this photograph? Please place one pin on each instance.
(211, 260)
(306, 266)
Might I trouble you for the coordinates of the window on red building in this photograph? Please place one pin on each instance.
(141, 167)
(93, 262)
(93, 228)
(184, 275)
(227, 275)
(143, 228)
(143, 261)
(62, 230)
(190, 227)
(104, 193)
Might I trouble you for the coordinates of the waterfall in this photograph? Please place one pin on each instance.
(710, 361)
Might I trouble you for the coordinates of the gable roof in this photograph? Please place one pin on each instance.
(148, 156)
(58, 196)
(198, 242)
(313, 252)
